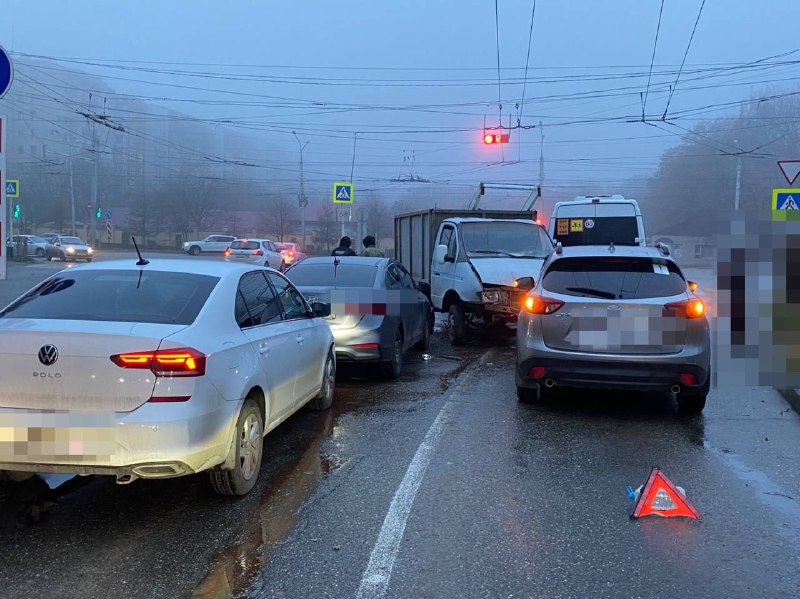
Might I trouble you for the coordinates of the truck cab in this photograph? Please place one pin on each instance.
(597, 220)
(476, 263)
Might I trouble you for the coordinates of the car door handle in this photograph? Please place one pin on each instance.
(300, 339)
(263, 349)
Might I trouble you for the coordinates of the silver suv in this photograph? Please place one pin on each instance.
(616, 318)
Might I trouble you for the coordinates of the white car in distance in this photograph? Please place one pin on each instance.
(212, 243)
(256, 251)
(157, 370)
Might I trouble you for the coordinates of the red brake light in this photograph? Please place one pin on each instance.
(693, 308)
(536, 304)
(165, 362)
(228, 252)
(258, 252)
(366, 346)
(537, 372)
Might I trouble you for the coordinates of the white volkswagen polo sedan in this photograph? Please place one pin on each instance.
(157, 370)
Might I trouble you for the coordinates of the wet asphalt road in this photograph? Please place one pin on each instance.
(514, 500)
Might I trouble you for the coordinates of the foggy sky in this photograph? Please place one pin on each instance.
(379, 53)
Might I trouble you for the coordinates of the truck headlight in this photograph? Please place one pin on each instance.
(493, 297)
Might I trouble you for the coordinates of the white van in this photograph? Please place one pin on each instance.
(597, 220)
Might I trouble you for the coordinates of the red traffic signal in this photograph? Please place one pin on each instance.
(495, 138)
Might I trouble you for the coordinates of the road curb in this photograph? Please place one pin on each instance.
(792, 397)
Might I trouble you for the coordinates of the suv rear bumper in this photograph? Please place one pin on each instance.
(644, 376)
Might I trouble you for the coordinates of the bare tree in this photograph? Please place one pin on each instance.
(280, 212)
(327, 229)
(188, 205)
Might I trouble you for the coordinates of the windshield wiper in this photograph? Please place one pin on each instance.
(502, 253)
(593, 292)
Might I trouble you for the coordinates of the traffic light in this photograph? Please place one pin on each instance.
(99, 213)
(490, 137)
(17, 211)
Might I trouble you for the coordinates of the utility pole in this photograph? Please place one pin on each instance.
(541, 158)
(301, 198)
(71, 192)
(738, 183)
(95, 173)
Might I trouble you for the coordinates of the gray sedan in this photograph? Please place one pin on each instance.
(375, 309)
(614, 318)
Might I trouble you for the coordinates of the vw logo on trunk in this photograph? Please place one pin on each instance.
(48, 355)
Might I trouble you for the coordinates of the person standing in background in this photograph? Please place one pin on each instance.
(369, 248)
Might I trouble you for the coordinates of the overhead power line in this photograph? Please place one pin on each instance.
(685, 54)
(527, 60)
(652, 60)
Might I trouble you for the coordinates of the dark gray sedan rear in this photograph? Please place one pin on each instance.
(375, 309)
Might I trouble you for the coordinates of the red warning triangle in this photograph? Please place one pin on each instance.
(660, 497)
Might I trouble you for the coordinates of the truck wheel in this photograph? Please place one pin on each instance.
(456, 325)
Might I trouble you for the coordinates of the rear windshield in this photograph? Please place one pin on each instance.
(285, 246)
(245, 245)
(504, 239)
(326, 275)
(621, 230)
(73, 240)
(614, 278)
(116, 295)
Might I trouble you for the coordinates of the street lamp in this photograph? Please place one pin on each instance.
(301, 197)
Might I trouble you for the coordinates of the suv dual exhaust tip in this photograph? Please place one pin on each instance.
(675, 389)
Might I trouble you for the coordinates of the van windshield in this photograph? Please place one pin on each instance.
(498, 239)
(603, 230)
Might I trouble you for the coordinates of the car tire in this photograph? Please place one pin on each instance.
(48, 258)
(194, 250)
(392, 369)
(62, 257)
(15, 476)
(691, 405)
(527, 395)
(324, 399)
(39, 252)
(249, 447)
(457, 325)
(425, 342)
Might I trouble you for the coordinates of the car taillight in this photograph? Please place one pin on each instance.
(290, 253)
(536, 304)
(365, 346)
(258, 252)
(228, 252)
(693, 308)
(165, 362)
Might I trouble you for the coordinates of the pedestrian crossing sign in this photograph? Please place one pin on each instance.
(342, 193)
(786, 204)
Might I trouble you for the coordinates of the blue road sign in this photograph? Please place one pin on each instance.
(342, 193)
(6, 72)
(786, 199)
(12, 188)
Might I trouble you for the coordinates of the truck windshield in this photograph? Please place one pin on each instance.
(498, 239)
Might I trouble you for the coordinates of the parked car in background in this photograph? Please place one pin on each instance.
(48, 236)
(255, 251)
(133, 374)
(291, 252)
(68, 248)
(597, 220)
(212, 243)
(36, 244)
(617, 318)
(375, 310)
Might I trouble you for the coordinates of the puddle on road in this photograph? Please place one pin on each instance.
(276, 515)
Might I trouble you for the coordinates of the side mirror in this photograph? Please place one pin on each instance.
(320, 310)
(525, 283)
(440, 253)
(692, 286)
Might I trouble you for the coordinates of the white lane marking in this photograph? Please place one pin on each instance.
(375, 580)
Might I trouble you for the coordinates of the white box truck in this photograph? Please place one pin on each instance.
(479, 263)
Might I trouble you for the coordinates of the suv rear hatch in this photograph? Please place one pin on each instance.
(615, 306)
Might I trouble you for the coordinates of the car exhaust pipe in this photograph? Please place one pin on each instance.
(675, 389)
(549, 383)
(126, 479)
